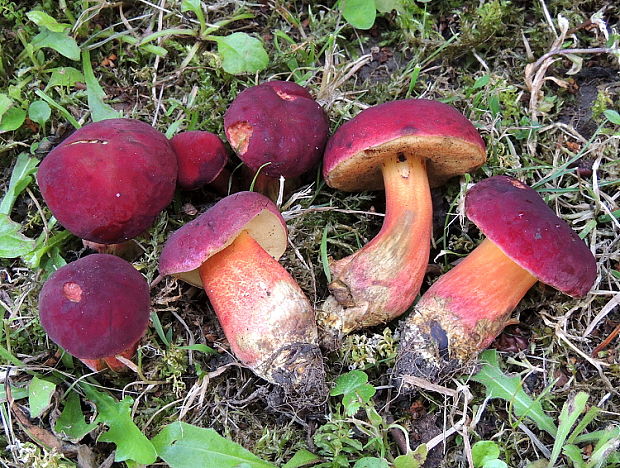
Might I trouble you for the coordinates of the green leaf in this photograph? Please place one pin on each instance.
(483, 451)
(573, 453)
(302, 458)
(413, 459)
(498, 385)
(45, 245)
(16, 392)
(71, 421)
(131, 443)
(495, 464)
(60, 42)
(571, 411)
(64, 76)
(612, 116)
(386, 6)
(200, 347)
(371, 462)
(241, 53)
(39, 396)
(39, 112)
(182, 445)
(98, 109)
(481, 81)
(191, 5)
(21, 177)
(360, 14)
(349, 382)
(12, 119)
(42, 19)
(5, 104)
(13, 243)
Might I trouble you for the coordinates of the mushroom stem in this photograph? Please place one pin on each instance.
(380, 281)
(111, 362)
(127, 250)
(265, 315)
(462, 312)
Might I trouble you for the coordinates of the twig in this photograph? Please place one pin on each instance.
(606, 341)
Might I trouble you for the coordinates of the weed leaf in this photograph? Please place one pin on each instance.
(371, 462)
(39, 395)
(131, 444)
(42, 19)
(5, 104)
(483, 451)
(21, 177)
(71, 421)
(349, 382)
(360, 14)
(12, 119)
(241, 53)
(499, 385)
(182, 445)
(571, 411)
(302, 458)
(60, 42)
(386, 6)
(612, 116)
(413, 459)
(39, 112)
(13, 243)
(64, 76)
(99, 109)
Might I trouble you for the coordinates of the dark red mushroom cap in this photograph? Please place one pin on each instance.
(430, 129)
(214, 230)
(520, 223)
(95, 307)
(280, 123)
(108, 181)
(201, 156)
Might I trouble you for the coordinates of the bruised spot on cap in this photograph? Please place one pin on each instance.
(285, 96)
(518, 184)
(72, 291)
(239, 135)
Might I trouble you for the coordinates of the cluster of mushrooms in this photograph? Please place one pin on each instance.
(109, 180)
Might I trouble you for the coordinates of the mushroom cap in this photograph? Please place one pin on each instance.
(430, 129)
(277, 122)
(215, 229)
(520, 223)
(201, 156)
(95, 307)
(108, 181)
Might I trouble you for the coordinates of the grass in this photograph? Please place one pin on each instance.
(152, 64)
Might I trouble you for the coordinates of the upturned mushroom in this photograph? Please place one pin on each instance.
(463, 311)
(201, 158)
(96, 309)
(231, 251)
(108, 181)
(278, 126)
(402, 147)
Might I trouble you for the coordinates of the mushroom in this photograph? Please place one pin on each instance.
(108, 181)
(401, 146)
(463, 311)
(278, 126)
(201, 158)
(96, 308)
(231, 250)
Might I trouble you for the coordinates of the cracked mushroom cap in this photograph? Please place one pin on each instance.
(201, 156)
(214, 230)
(95, 307)
(520, 223)
(277, 122)
(430, 129)
(108, 181)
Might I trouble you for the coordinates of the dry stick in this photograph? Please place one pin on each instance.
(606, 341)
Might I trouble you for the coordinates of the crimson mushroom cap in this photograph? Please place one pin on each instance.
(95, 307)
(430, 129)
(108, 181)
(191, 245)
(201, 157)
(520, 223)
(277, 122)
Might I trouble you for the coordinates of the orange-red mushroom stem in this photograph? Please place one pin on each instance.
(111, 362)
(380, 281)
(265, 315)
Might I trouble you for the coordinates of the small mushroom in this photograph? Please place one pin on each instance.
(279, 124)
(231, 250)
(108, 181)
(96, 308)
(202, 158)
(463, 311)
(402, 147)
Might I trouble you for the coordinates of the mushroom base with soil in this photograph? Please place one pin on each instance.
(462, 313)
(266, 318)
(380, 281)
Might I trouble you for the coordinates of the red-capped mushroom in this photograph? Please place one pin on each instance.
(231, 250)
(279, 124)
(202, 158)
(96, 308)
(108, 181)
(400, 146)
(463, 311)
